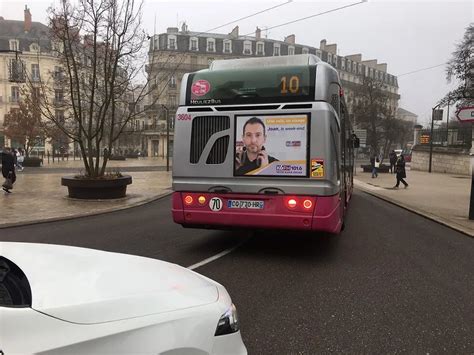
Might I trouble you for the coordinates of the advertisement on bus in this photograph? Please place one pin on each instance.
(271, 145)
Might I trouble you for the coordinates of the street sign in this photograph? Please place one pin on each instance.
(437, 115)
(465, 114)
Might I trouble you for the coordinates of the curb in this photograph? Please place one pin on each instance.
(421, 213)
(83, 215)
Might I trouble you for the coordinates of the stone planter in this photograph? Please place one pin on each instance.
(382, 169)
(32, 162)
(96, 189)
(116, 157)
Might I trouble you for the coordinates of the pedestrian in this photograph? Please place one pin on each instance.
(401, 173)
(8, 169)
(393, 161)
(375, 163)
(20, 158)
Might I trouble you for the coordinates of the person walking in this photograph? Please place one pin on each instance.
(20, 158)
(401, 173)
(393, 160)
(8, 169)
(375, 162)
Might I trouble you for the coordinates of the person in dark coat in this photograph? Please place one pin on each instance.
(401, 173)
(8, 166)
(393, 160)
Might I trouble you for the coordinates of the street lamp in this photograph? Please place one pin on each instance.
(167, 138)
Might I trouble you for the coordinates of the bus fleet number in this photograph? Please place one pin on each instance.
(291, 84)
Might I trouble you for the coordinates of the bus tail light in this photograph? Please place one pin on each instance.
(307, 204)
(188, 200)
(202, 200)
(291, 203)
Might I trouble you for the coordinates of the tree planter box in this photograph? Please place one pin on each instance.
(96, 189)
(32, 162)
(382, 169)
(116, 157)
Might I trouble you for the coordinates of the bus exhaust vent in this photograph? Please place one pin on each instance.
(219, 151)
(203, 128)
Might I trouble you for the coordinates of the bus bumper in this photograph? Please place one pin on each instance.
(325, 214)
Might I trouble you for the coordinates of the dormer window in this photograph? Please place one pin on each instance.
(14, 45)
(291, 50)
(276, 49)
(305, 50)
(211, 45)
(343, 64)
(334, 58)
(193, 44)
(319, 54)
(260, 48)
(329, 58)
(247, 47)
(34, 47)
(227, 46)
(172, 42)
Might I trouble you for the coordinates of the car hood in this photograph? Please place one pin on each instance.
(90, 286)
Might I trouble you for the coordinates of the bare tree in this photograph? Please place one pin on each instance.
(461, 67)
(372, 111)
(24, 123)
(102, 52)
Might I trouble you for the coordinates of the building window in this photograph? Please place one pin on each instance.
(58, 96)
(260, 48)
(211, 45)
(15, 90)
(227, 46)
(172, 82)
(305, 50)
(14, 45)
(193, 44)
(329, 58)
(276, 49)
(291, 50)
(35, 72)
(59, 115)
(247, 47)
(172, 100)
(172, 42)
(194, 62)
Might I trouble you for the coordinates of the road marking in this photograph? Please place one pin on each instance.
(217, 256)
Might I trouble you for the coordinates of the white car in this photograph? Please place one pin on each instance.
(63, 300)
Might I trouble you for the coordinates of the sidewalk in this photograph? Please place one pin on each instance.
(442, 197)
(39, 196)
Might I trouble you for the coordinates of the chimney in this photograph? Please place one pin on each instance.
(235, 32)
(290, 39)
(27, 19)
(258, 33)
(322, 44)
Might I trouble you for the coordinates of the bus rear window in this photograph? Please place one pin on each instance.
(229, 87)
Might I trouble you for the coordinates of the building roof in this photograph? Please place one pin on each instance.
(12, 29)
(403, 112)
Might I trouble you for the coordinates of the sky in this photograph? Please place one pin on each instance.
(407, 35)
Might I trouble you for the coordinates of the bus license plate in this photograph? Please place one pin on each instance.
(258, 205)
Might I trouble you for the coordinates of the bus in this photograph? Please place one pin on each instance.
(263, 143)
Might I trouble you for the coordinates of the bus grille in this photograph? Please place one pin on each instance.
(202, 129)
(218, 152)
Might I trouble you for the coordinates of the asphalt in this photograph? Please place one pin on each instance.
(38, 195)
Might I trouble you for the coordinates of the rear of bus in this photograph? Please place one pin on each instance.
(258, 145)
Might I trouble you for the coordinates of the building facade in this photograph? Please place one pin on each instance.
(25, 54)
(180, 51)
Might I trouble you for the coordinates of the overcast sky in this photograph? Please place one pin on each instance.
(407, 35)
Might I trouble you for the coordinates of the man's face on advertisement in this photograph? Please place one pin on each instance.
(254, 137)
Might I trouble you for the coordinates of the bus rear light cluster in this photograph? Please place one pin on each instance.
(300, 204)
(202, 200)
(188, 200)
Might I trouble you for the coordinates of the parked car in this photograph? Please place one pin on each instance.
(60, 299)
